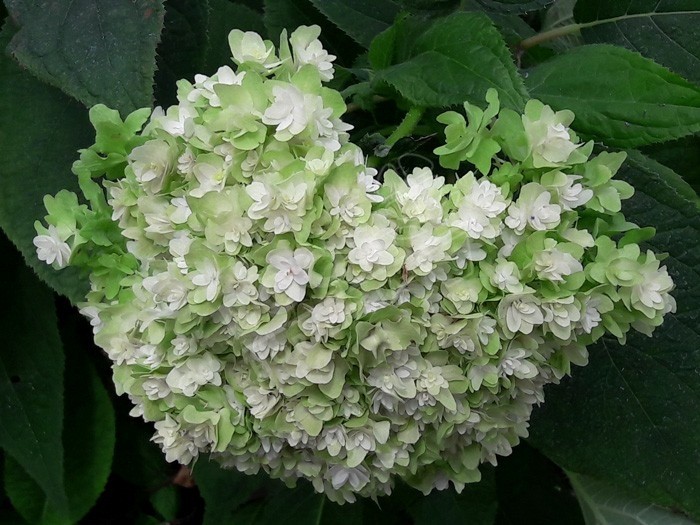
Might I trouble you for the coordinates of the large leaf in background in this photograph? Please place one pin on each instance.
(98, 51)
(182, 47)
(663, 30)
(534, 491)
(514, 6)
(618, 96)
(457, 58)
(478, 502)
(603, 504)
(290, 14)
(682, 156)
(631, 416)
(232, 497)
(40, 132)
(31, 377)
(88, 442)
(224, 17)
(361, 19)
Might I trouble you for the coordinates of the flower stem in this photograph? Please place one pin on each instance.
(573, 28)
(407, 125)
(549, 35)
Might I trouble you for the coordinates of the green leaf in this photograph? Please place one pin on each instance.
(682, 156)
(618, 96)
(456, 59)
(478, 501)
(224, 491)
(663, 30)
(31, 378)
(37, 118)
(224, 17)
(361, 19)
(166, 502)
(88, 443)
(514, 6)
(98, 51)
(232, 497)
(603, 504)
(561, 14)
(290, 14)
(182, 48)
(532, 489)
(631, 416)
(136, 458)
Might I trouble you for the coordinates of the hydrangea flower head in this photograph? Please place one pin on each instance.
(267, 301)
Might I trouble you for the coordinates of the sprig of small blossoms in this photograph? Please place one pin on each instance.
(266, 300)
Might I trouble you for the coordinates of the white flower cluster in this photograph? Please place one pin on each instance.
(266, 301)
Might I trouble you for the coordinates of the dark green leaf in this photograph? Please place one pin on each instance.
(514, 6)
(561, 14)
(361, 19)
(88, 443)
(182, 48)
(477, 501)
(603, 504)
(631, 416)
(98, 51)
(533, 491)
(457, 58)
(40, 131)
(224, 491)
(232, 497)
(226, 16)
(137, 459)
(663, 30)
(31, 378)
(290, 14)
(618, 96)
(165, 501)
(682, 156)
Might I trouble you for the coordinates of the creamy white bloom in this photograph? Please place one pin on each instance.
(428, 249)
(520, 312)
(52, 248)
(282, 205)
(533, 209)
(288, 112)
(174, 442)
(156, 388)
(560, 315)
(344, 204)
(422, 198)
(239, 285)
(307, 49)
(167, 288)
(249, 48)
(514, 362)
(554, 265)
(194, 372)
(506, 276)
(573, 194)
(372, 245)
(292, 274)
(549, 137)
(207, 277)
(261, 401)
(152, 163)
(326, 314)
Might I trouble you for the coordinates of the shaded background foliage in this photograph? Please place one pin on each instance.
(626, 428)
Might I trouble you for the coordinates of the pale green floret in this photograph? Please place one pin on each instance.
(266, 300)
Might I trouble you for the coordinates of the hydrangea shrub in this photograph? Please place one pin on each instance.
(268, 299)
